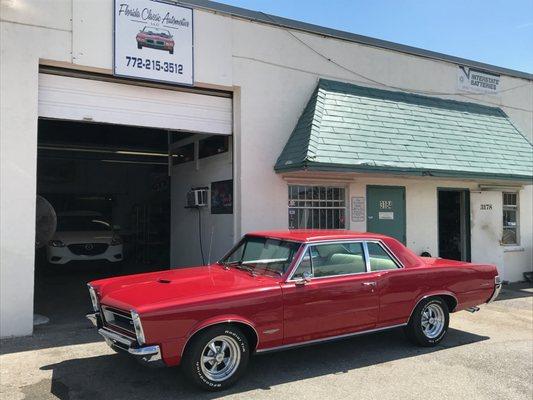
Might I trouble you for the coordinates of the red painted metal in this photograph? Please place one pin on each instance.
(175, 304)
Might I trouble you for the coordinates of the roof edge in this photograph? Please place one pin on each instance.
(325, 167)
(269, 19)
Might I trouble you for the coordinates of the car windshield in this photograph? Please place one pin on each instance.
(261, 255)
(156, 31)
(81, 223)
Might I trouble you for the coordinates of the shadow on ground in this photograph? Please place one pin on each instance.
(516, 291)
(118, 377)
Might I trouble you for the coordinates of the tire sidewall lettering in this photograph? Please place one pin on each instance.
(238, 338)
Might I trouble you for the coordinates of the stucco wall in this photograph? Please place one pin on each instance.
(271, 74)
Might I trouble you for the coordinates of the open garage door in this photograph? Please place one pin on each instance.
(116, 162)
(68, 98)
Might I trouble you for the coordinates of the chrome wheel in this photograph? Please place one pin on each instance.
(433, 320)
(220, 358)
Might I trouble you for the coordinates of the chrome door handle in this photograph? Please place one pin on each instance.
(373, 284)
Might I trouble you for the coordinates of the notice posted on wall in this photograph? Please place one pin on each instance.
(358, 209)
(153, 41)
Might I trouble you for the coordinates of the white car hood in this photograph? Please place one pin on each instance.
(84, 237)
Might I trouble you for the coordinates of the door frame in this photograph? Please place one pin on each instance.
(402, 188)
(465, 193)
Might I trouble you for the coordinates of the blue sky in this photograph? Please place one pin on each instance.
(492, 31)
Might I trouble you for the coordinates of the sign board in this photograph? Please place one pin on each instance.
(358, 209)
(153, 41)
(477, 81)
(386, 215)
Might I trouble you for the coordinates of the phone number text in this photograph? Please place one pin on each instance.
(156, 65)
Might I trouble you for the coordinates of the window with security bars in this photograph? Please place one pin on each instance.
(317, 207)
(510, 218)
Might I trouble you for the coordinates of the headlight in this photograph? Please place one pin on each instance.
(116, 240)
(138, 327)
(94, 297)
(56, 243)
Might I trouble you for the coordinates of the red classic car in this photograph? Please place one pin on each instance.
(276, 290)
(156, 38)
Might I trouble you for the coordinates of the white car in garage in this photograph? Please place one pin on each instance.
(84, 235)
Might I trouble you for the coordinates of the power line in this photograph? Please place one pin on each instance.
(426, 92)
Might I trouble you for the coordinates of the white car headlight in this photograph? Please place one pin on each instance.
(138, 327)
(94, 298)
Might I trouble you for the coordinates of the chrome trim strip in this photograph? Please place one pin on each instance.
(107, 334)
(497, 288)
(144, 351)
(297, 262)
(327, 339)
(229, 321)
(147, 354)
(367, 256)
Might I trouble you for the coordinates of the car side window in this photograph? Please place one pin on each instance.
(337, 259)
(305, 266)
(379, 259)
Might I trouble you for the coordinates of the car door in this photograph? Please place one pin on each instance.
(338, 296)
(394, 284)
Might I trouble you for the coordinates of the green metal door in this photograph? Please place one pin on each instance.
(386, 211)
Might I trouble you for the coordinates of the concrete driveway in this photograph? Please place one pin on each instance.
(487, 355)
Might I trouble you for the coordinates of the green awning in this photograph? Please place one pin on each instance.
(351, 128)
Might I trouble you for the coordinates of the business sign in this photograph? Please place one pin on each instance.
(477, 81)
(153, 41)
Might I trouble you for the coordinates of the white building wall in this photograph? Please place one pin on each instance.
(217, 229)
(272, 74)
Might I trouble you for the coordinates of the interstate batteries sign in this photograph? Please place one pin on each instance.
(153, 41)
(477, 81)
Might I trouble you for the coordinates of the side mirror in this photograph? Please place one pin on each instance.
(306, 277)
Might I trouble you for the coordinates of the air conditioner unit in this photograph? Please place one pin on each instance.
(197, 197)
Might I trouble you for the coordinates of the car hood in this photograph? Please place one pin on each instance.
(157, 290)
(72, 237)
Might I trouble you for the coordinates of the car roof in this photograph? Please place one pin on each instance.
(315, 235)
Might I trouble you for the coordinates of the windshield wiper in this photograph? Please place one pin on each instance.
(239, 265)
(227, 264)
(246, 267)
(273, 270)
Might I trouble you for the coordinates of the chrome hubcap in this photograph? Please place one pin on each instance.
(220, 358)
(433, 320)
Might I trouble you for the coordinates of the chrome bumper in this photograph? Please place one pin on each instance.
(497, 288)
(150, 355)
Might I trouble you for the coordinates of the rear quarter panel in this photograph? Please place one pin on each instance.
(402, 289)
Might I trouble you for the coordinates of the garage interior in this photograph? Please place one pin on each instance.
(116, 161)
(119, 172)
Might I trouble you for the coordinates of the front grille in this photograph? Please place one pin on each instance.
(159, 42)
(118, 320)
(88, 249)
(150, 41)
